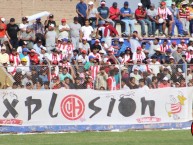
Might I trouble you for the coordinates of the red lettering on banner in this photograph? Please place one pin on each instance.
(148, 119)
(72, 107)
(11, 121)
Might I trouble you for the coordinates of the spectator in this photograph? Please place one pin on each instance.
(83, 57)
(177, 22)
(65, 74)
(46, 85)
(104, 13)
(38, 45)
(164, 46)
(29, 86)
(24, 66)
(127, 18)
(27, 78)
(39, 30)
(141, 14)
(81, 9)
(87, 31)
(43, 54)
(24, 24)
(142, 85)
(49, 21)
(78, 84)
(111, 83)
(96, 45)
(108, 31)
(158, 55)
(4, 57)
(3, 28)
(28, 36)
(166, 16)
(84, 46)
(124, 85)
(173, 46)
(132, 83)
(24, 54)
(191, 19)
(12, 33)
(164, 83)
(75, 29)
(138, 55)
(92, 14)
(34, 57)
(178, 53)
(63, 30)
(20, 48)
(115, 16)
(135, 41)
(184, 15)
(136, 75)
(154, 84)
(146, 3)
(153, 45)
(152, 16)
(51, 38)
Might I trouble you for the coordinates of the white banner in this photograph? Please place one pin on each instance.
(89, 107)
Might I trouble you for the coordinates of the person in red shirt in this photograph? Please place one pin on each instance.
(34, 57)
(140, 14)
(3, 28)
(115, 16)
(111, 83)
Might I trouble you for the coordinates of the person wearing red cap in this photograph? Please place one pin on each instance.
(167, 18)
(138, 55)
(173, 46)
(83, 56)
(63, 29)
(84, 46)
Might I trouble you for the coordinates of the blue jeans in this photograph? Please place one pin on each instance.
(142, 23)
(127, 24)
(179, 26)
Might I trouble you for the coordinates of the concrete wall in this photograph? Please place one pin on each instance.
(19, 8)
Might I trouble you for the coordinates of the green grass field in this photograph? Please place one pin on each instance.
(102, 138)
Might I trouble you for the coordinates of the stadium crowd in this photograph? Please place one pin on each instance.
(89, 53)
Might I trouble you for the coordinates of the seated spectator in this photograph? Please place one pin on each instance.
(92, 14)
(140, 66)
(43, 54)
(166, 56)
(173, 46)
(46, 85)
(184, 46)
(142, 85)
(138, 55)
(96, 45)
(54, 57)
(24, 66)
(24, 24)
(4, 57)
(27, 79)
(158, 55)
(37, 46)
(140, 14)
(124, 85)
(153, 45)
(78, 84)
(154, 84)
(178, 53)
(164, 83)
(83, 57)
(43, 76)
(29, 86)
(63, 29)
(111, 83)
(135, 74)
(164, 46)
(132, 83)
(39, 84)
(166, 16)
(152, 16)
(84, 46)
(104, 13)
(20, 48)
(65, 74)
(177, 22)
(115, 16)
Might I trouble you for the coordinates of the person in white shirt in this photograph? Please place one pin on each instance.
(83, 57)
(37, 46)
(142, 85)
(92, 14)
(87, 31)
(24, 24)
(84, 45)
(136, 75)
(135, 41)
(63, 30)
(123, 85)
(43, 54)
(23, 66)
(138, 55)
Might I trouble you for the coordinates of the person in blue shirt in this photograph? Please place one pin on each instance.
(177, 22)
(126, 17)
(122, 46)
(81, 9)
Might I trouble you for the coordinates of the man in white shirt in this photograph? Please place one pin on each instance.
(142, 85)
(135, 41)
(37, 46)
(63, 30)
(123, 85)
(87, 31)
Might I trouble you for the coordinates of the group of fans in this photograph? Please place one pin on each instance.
(43, 56)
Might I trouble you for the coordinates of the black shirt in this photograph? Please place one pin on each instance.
(50, 22)
(12, 31)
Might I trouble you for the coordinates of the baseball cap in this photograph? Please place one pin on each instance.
(173, 3)
(90, 3)
(163, 3)
(33, 51)
(121, 40)
(182, 40)
(3, 47)
(65, 40)
(101, 51)
(179, 46)
(174, 43)
(51, 16)
(139, 48)
(24, 18)
(24, 59)
(3, 19)
(84, 38)
(169, 50)
(38, 19)
(25, 50)
(91, 57)
(51, 25)
(83, 51)
(44, 48)
(28, 84)
(126, 3)
(184, 3)
(39, 40)
(63, 20)
(97, 40)
(103, 40)
(140, 4)
(165, 79)
(12, 20)
(24, 43)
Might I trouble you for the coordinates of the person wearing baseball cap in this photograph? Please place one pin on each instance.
(139, 54)
(167, 19)
(140, 14)
(104, 13)
(84, 45)
(50, 20)
(177, 22)
(63, 29)
(184, 15)
(92, 14)
(126, 17)
(191, 19)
